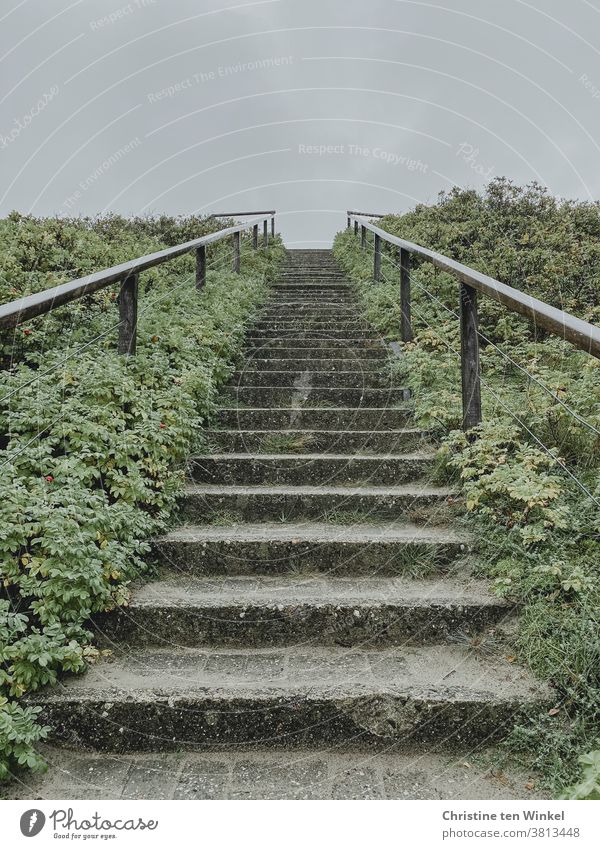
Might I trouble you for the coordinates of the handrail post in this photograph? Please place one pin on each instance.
(348, 223)
(128, 303)
(356, 228)
(377, 259)
(469, 357)
(405, 325)
(363, 236)
(265, 234)
(273, 226)
(236, 251)
(200, 266)
(255, 236)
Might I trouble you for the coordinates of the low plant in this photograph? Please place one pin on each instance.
(530, 472)
(94, 462)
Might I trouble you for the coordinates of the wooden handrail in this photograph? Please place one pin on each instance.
(562, 324)
(30, 306)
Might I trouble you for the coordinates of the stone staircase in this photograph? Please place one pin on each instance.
(316, 596)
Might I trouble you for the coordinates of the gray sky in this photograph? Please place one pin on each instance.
(305, 106)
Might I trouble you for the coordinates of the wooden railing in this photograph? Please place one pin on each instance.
(579, 333)
(269, 212)
(15, 312)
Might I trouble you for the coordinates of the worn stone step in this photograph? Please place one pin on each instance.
(326, 299)
(309, 441)
(333, 347)
(273, 396)
(284, 610)
(335, 419)
(408, 502)
(323, 359)
(302, 380)
(311, 302)
(307, 323)
(167, 700)
(377, 470)
(311, 287)
(309, 314)
(364, 549)
(291, 335)
(269, 774)
(331, 365)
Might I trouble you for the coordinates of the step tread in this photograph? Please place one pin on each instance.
(301, 431)
(324, 773)
(319, 489)
(428, 674)
(256, 456)
(314, 532)
(316, 591)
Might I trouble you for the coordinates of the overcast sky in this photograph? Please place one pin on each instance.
(309, 107)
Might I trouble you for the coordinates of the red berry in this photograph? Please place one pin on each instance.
(162, 425)
(27, 331)
(49, 478)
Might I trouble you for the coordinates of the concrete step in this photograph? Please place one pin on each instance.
(300, 380)
(337, 419)
(326, 299)
(331, 347)
(305, 324)
(322, 359)
(408, 502)
(310, 287)
(285, 610)
(284, 396)
(312, 299)
(364, 549)
(269, 774)
(330, 365)
(168, 700)
(377, 470)
(309, 313)
(309, 441)
(292, 335)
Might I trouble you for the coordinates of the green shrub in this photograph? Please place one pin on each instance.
(95, 453)
(530, 472)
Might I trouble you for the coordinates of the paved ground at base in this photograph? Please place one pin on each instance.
(270, 775)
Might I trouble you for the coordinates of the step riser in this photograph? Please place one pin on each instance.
(270, 345)
(341, 558)
(299, 442)
(309, 314)
(335, 420)
(259, 364)
(313, 337)
(267, 507)
(305, 288)
(297, 379)
(170, 723)
(313, 300)
(243, 626)
(263, 396)
(304, 325)
(320, 359)
(299, 471)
